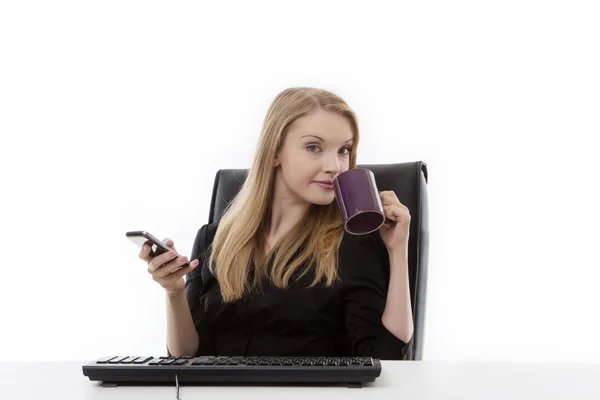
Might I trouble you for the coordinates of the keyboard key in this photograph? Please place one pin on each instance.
(141, 360)
(180, 362)
(128, 360)
(155, 361)
(117, 360)
(167, 362)
(105, 360)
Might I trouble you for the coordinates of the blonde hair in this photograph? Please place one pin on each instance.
(241, 234)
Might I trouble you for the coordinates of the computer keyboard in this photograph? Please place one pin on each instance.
(351, 371)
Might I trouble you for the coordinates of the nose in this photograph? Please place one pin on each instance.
(332, 165)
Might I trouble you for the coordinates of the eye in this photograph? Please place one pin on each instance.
(348, 150)
(312, 146)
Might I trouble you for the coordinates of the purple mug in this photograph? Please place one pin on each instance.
(359, 202)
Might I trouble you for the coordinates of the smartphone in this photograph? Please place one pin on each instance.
(157, 247)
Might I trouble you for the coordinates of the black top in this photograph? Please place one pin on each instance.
(341, 320)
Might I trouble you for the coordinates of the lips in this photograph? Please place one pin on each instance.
(325, 184)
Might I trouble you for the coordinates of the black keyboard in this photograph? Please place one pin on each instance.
(351, 371)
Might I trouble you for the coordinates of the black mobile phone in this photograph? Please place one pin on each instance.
(141, 238)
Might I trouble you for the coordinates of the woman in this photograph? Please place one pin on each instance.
(278, 275)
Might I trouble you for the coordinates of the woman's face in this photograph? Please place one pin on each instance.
(316, 150)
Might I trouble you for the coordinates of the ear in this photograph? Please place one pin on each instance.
(276, 162)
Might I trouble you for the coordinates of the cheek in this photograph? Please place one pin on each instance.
(303, 175)
(301, 167)
(298, 172)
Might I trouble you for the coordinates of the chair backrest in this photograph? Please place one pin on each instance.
(409, 181)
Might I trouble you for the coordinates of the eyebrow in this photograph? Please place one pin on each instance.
(322, 140)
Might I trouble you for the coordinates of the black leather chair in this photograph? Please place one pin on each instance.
(409, 181)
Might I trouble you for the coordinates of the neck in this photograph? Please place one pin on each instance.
(286, 211)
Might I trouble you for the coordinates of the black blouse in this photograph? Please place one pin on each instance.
(341, 320)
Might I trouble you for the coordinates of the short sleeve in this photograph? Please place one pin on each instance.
(194, 292)
(365, 275)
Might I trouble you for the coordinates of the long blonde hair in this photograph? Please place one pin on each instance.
(241, 234)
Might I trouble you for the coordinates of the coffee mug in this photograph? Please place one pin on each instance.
(359, 202)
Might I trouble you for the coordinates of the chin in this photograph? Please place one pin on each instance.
(321, 202)
(321, 199)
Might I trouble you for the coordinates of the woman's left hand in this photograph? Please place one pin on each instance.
(394, 234)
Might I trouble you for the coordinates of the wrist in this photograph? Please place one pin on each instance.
(175, 294)
(399, 255)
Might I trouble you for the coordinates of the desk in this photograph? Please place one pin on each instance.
(399, 380)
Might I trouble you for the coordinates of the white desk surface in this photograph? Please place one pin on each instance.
(399, 380)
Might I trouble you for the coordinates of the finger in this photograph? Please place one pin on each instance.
(158, 261)
(145, 253)
(388, 224)
(171, 267)
(395, 213)
(175, 276)
(384, 199)
(389, 196)
(389, 215)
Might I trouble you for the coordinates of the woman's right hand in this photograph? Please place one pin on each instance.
(166, 268)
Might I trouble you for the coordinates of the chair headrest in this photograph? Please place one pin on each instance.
(405, 179)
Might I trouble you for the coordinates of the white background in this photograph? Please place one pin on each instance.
(116, 115)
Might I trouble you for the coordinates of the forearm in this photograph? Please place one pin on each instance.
(397, 316)
(182, 338)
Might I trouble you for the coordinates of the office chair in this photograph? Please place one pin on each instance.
(409, 181)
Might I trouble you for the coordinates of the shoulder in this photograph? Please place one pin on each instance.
(204, 238)
(203, 244)
(208, 231)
